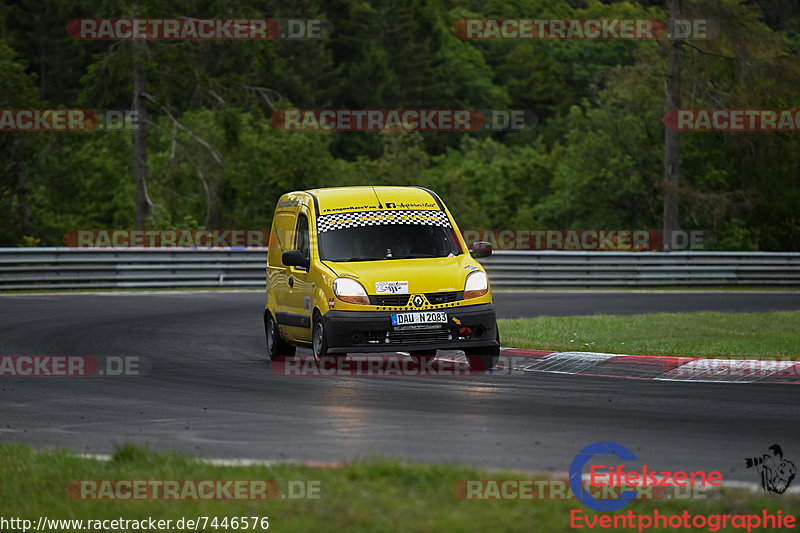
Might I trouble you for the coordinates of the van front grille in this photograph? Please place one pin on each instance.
(397, 300)
(436, 298)
(406, 336)
(401, 300)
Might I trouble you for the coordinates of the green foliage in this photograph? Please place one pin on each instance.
(487, 184)
(593, 160)
(19, 152)
(81, 182)
(611, 158)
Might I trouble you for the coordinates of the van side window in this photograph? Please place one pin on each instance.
(301, 241)
(280, 237)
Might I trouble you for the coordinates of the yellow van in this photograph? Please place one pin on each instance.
(375, 269)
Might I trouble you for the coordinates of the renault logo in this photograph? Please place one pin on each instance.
(417, 301)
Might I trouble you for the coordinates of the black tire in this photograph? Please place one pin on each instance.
(484, 358)
(319, 339)
(423, 356)
(277, 348)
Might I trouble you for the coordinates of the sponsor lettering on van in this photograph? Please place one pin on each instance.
(391, 287)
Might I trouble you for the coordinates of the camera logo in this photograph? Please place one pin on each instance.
(776, 472)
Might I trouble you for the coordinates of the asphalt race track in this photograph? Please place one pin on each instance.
(210, 392)
(529, 304)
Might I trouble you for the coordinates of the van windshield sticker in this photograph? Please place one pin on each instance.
(381, 218)
(349, 208)
(389, 205)
(293, 202)
(403, 205)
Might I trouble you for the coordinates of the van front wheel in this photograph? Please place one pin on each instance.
(319, 339)
(483, 362)
(484, 358)
(423, 356)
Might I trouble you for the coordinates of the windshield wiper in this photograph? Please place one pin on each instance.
(363, 258)
(413, 256)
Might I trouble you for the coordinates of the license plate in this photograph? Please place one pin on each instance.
(420, 317)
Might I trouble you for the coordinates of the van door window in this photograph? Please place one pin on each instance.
(301, 241)
(280, 237)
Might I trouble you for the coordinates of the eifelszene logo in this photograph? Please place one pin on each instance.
(576, 476)
(776, 472)
(620, 476)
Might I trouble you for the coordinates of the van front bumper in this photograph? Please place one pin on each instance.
(467, 327)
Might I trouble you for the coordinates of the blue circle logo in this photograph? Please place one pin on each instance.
(576, 477)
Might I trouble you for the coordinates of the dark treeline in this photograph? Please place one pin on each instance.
(594, 159)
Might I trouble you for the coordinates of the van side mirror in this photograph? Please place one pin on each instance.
(294, 258)
(480, 249)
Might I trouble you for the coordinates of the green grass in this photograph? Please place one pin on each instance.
(378, 495)
(690, 334)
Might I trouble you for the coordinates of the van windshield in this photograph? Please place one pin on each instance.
(374, 236)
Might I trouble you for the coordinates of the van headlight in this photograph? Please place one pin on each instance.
(477, 285)
(350, 291)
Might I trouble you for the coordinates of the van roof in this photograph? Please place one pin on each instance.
(343, 199)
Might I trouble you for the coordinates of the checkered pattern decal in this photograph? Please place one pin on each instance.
(381, 218)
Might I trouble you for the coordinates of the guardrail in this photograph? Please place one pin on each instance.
(65, 268)
(614, 269)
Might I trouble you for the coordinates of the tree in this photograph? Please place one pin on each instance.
(672, 154)
(19, 151)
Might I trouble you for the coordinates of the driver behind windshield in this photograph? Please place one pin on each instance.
(401, 245)
(387, 241)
